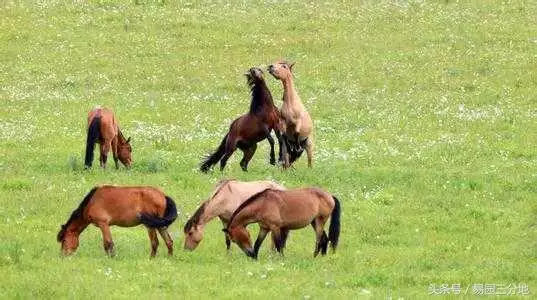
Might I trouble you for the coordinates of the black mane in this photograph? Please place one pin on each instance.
(77, 213)
(195, 217)
(260, 94)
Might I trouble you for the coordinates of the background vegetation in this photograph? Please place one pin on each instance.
(425, 117)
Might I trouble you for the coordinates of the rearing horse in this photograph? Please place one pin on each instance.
(103, 128)
(296, 121)
(249, 129)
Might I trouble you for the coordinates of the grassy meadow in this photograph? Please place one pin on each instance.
(425, 119)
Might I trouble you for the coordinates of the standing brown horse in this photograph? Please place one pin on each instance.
(228, 195)
(103, 128)
(126, 206)
(278, 212)
(249, 129)
(297, 126)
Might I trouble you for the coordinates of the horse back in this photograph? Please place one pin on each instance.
(108, 123)
(122, 205)
(298, 207)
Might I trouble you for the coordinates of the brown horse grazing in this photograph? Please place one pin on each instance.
(297, 127)
(280, 211)
(103, 128)
(249, 129)
(125, 206)
(228, 195)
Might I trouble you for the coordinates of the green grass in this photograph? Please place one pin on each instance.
(425, 128)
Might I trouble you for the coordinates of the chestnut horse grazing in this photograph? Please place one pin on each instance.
(124, 206)
(103, 128)
(249, 129)
(297, 126)
(228, 195)
(278, 212)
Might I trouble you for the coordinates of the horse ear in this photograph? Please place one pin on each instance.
(225, 230)
(291, 65)
(129, 140)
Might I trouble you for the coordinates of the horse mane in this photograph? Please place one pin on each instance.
(248, 202)
(195, 217)
(122, 138)
(197, 214)
(77, 213)
(260, 94)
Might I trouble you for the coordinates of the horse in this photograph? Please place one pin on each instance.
(278, 212)
(249, 129)
(124, 206)
(228, 195)
(297, 126)
(103, 128)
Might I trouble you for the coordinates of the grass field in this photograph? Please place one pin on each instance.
(425, 119)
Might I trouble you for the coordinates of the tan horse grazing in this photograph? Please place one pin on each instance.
(278, 212)
(124, 206)
(103, 128)
(296, 121)
(228, 195)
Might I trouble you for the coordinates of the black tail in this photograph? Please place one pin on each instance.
(335, 222)
(170, 214)
(215, 157)
(93, 136)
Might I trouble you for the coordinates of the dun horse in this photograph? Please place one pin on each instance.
(249, 129)
(228, 195)
(103, 128)
(297, 126)
(125, 206)
(278, 212)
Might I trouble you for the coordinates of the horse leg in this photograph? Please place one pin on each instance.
(154, 240)
(105, 148)
(248, 154)
(114, 152)
(167, 238)
(277, 238)
(228, 241)
(285, 234)
(260, 238)
(309, 151)
(230, 148)
(272, 155)
(108, 244)
(318, 226)
(283, 154)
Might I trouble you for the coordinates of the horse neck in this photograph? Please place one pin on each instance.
(290, 94)
(246, 216)
(120, 138)
(213, 209)
(261, 98)
(76, 227)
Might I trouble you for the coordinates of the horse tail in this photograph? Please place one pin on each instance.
(93, 136)
(170, 214)
(335, 222)
(212, 159)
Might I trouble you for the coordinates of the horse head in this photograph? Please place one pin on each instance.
(68, 239)
(193, 235)
(254, 74)
(240, 236)
(281, 69)
(124, 152)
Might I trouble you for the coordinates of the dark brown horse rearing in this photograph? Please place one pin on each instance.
(249, 129)
(124, 206)
(103, 128)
